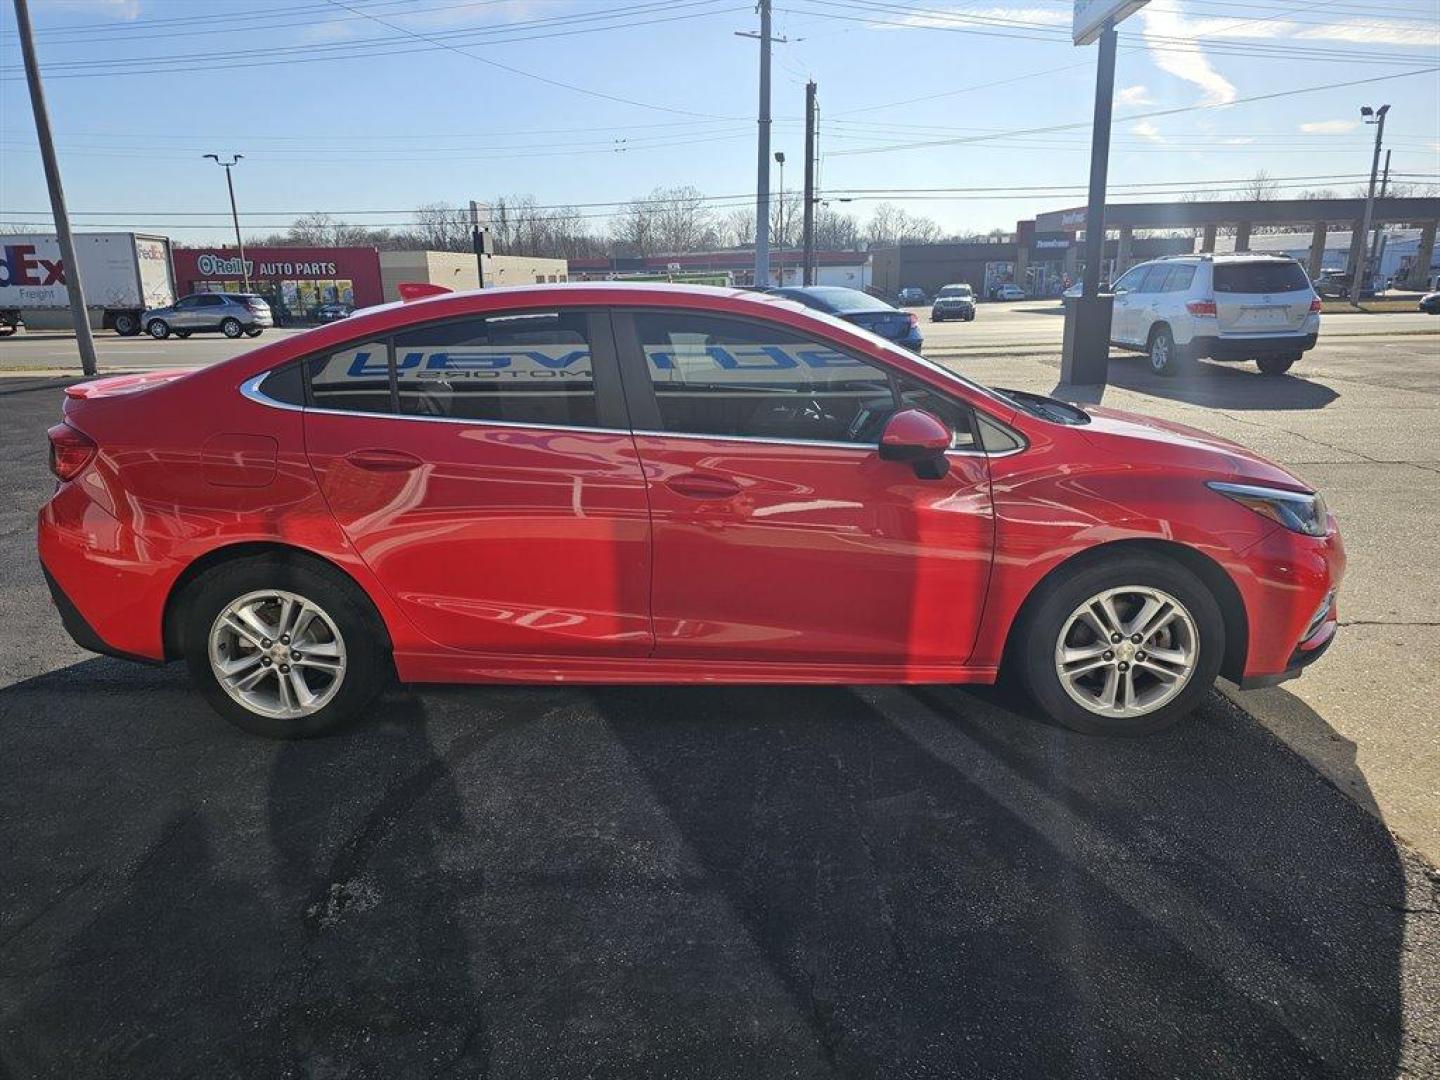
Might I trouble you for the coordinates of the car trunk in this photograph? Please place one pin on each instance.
(1269, 297)
(888, 324)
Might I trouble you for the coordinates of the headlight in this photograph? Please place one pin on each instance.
(1296, 510)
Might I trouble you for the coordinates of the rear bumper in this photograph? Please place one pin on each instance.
(80, 631)
(1247, 348)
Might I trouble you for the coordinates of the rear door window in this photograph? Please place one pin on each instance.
(530, 367)
(1178, 279)
(1260, 277)
(1154, 279)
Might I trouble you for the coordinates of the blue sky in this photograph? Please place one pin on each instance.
(915, 94)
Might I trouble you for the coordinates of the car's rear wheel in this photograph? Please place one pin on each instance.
(1121, 647)
(181, 334)
(1276, 365)
(231, 328)
(1164, 355)
(254, 331)
(158, 329)
(283, 649)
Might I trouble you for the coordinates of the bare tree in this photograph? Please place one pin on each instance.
(737, 229)
(440, 227)
(1261, 188)
(667, 220)
(835, 231)
(891, 225)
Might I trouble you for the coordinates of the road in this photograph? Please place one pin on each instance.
(779, 881)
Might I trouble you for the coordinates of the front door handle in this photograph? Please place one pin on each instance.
(701, 486)
(383, 460)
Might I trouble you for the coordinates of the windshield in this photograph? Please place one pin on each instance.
(956, 290)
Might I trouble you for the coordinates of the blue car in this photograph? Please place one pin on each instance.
(862, 309)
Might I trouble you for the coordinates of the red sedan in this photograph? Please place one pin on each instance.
(606, 483)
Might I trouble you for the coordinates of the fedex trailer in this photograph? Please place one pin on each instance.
(123, 274)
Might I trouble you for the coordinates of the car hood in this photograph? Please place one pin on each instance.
(954, 300)
(1151, 441)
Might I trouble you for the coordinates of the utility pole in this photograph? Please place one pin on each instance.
(1085, 351)
(762, 151)
(1357, 243)
(235, 159)
(73, 288)
(1384, 186)
(807, 270)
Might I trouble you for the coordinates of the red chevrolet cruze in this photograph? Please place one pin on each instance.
(607, 483)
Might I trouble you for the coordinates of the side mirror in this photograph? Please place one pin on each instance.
(917, 437)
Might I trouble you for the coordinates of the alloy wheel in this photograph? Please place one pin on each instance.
(1160, 352)
(277, 654)
(1128, 651)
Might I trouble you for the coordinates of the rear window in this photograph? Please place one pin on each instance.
(956, 290)
(846, 300)
(1260, 277)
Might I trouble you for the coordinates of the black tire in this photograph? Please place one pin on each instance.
(127, 324)
(254, 331)
(181, 334)
(1277, 365)
(158, 329)
(231, 328)
(1033, 649)
(368, 666)
(1163, 353)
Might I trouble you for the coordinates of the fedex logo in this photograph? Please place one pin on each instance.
(21, 267)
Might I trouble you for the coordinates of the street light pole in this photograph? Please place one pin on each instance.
(1358, 243)
(84, 340)
(780, 240)
(234, 214)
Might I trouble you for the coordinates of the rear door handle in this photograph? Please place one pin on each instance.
(700, 486)
(383, 460)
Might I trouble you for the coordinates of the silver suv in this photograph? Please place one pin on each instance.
(1226, 307)
(232, 314)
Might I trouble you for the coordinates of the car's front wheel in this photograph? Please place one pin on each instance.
(1121, 647)
(283, 649)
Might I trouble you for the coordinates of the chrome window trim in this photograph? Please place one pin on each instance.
(251, 389)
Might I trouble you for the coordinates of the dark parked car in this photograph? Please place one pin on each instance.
(911, 296)
(333, 312)
(1430, 303)
(862, 309)
(1332, 285)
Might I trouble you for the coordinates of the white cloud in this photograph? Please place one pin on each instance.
(987, 18)
(1238, 140)
(1184, 59)
(1329, 127)
(1146, 130)
(1133, 95)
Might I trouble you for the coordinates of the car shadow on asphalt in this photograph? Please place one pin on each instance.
(696, 881)
(1213, 385)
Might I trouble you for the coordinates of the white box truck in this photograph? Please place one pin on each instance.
(123, 274)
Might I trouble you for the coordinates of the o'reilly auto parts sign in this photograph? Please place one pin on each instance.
(1091, 15)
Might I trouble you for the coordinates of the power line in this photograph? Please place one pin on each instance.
(1145, 115)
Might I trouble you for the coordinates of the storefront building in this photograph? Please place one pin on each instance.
(295, 281)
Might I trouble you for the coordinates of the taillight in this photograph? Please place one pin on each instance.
(1203, 308)
(914, 319)
(1317, 304)
(70, 451)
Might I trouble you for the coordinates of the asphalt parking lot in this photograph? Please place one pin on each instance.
(760, 881)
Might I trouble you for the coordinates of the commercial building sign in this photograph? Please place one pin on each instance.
(1090, 17)
(231, 266)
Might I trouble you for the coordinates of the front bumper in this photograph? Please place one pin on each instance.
(1289, 585)
(1248, 348)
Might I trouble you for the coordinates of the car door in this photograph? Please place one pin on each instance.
(483, 469)
(1123, 317)
(779, 534)
(187, 313)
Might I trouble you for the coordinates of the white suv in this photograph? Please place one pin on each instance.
(1226, 307)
